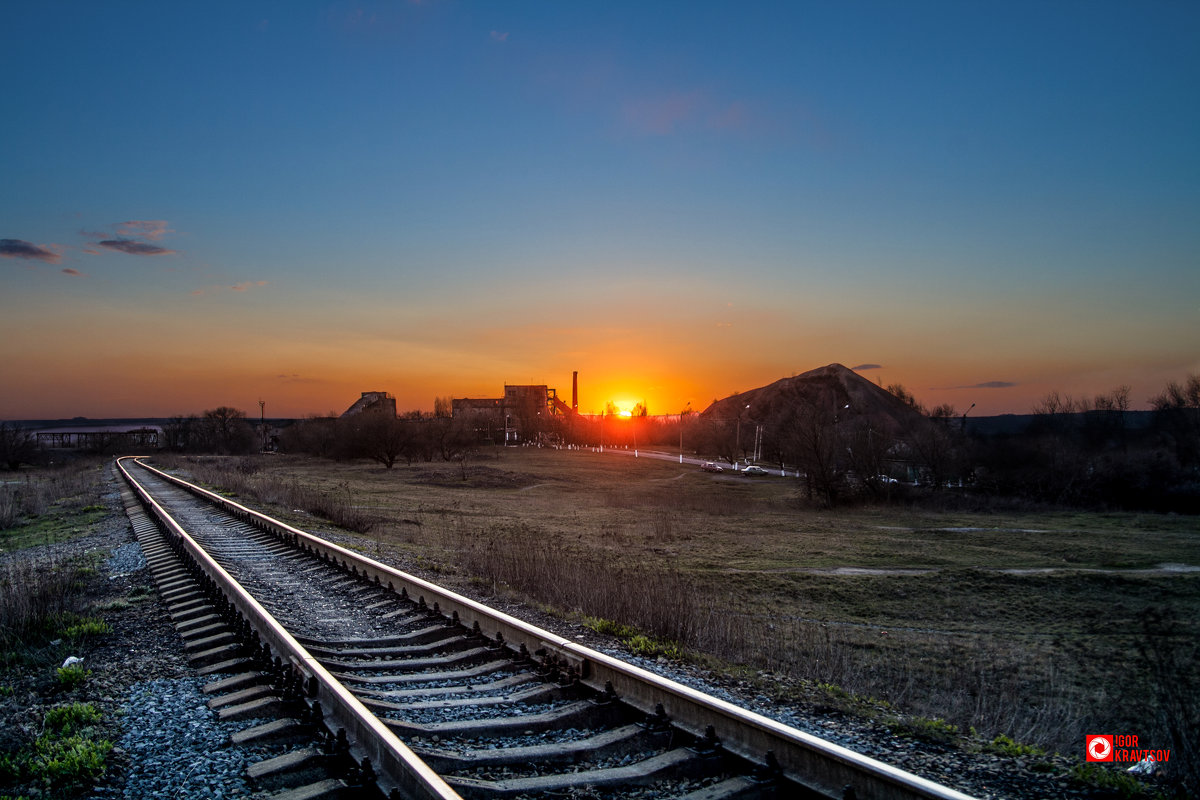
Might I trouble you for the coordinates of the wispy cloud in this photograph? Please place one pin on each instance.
(691, 111)
(295, 378)
(497, 36)
(152, 229)
(864, 367)
(74, 272)
(661, 116)
(135, 248)
(734, 116)
(28, 251)
(134, 237)
(244, 286)
(984, 385)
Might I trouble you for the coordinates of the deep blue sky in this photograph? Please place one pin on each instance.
(679, 200)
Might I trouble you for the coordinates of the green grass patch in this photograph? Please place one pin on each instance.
(66, 757)
(637, 642)
(1006, 746)
(86, 627)
(72, 676)
(925, 728)
(607, 627)
(1113, 782)
(56, 525)
(72, 718)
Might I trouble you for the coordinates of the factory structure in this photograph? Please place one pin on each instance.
(523, 414)
(372, 402)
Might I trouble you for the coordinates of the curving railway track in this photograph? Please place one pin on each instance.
(375, 683)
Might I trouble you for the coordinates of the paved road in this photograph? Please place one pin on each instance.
(696, 462)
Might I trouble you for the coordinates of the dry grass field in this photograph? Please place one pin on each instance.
(1040, 626)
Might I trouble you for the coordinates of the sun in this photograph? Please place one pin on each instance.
(625, 412)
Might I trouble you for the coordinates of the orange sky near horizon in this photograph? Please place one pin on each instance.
(168, 361)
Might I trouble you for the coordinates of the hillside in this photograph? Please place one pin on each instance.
(833, 391)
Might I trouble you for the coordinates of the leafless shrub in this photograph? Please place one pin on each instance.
(243, 477)
(33, 591)
(1172, 660)
(997, 689)
(70, 486)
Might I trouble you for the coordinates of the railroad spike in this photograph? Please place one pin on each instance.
(608, 696)
(710, 745)
(341, 744)
(769, 771)
(366, 775)
(569, 676)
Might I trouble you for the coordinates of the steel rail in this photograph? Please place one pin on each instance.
(396, 765)
(820, 766)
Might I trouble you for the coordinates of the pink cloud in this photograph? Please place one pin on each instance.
(152, 229)
(500, 37)
(244, 286)
(734, 116)
(134, 237)
(136, 248)
(661, 116)
(74, 272)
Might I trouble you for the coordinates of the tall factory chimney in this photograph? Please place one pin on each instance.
(575, 391)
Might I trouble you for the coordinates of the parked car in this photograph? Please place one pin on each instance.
(709, 466)
(754, 469)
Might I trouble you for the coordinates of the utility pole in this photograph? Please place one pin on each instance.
(262, 422)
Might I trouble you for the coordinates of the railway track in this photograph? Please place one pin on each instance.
(376, 683)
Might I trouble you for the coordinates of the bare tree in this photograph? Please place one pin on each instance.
(17, 446)
(382, 438)
(814, 439)
(314, 435)
(1177, 418)
(225, 430)
(459, 444)
(180, 433)
(937, 450)
(868, 448)
(906, 397)
(715, 437)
